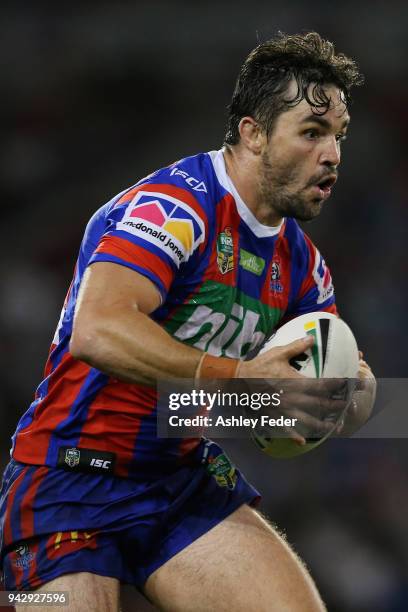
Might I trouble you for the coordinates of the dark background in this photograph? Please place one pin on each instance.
(92, 98)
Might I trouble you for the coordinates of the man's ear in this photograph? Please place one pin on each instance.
(252, 136)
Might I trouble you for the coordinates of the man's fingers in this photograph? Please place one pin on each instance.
(309, 426)
(317, 406)
(295, 436)
(327, 387)
(297, 347)
(316, 387)
(364, 370)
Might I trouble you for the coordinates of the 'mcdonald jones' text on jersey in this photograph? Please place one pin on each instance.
(226, 282)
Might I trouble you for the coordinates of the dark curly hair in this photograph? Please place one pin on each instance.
(266, 73)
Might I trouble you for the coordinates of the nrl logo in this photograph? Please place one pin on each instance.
(225, 251)
(72, 457)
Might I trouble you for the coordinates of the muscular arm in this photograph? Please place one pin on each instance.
(113, 332)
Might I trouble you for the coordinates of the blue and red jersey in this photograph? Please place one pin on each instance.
(226, 282)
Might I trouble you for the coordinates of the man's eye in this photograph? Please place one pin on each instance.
(311, 134)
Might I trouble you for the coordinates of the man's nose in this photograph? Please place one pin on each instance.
(330, 155)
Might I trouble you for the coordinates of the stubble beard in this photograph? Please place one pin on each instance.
(275, 190)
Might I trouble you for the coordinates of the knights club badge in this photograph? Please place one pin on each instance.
(225, 251)
(276, 284)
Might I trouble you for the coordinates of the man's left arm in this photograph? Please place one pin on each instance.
(317, 294)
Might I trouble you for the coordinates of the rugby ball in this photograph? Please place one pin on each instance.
(334, 354)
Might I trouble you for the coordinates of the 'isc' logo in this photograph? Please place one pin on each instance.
(100, 463)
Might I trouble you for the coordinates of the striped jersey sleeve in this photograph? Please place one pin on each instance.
(316, 290)
(154, 229)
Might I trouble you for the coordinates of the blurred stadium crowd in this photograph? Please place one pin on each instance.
(94, 100)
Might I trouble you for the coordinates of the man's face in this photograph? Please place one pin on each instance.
(300, 159)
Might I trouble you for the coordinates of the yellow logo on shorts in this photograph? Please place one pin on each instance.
(223, 471)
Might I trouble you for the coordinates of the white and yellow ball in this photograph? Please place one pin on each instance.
(334, 354)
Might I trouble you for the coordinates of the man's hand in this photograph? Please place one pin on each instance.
(360, 408)
(316, 403)
(275, 362)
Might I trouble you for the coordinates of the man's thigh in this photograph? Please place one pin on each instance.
(86, 591)
(242, 564)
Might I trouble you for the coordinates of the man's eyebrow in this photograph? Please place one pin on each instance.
(312, 118)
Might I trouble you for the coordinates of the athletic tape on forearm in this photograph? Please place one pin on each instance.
(217, 367)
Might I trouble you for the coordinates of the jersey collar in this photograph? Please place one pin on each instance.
(260, 230)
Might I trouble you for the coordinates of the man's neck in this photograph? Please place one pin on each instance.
(243, 172)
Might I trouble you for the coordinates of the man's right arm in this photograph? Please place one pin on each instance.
(113, 332)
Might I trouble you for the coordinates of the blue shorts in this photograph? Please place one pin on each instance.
(54, 522)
